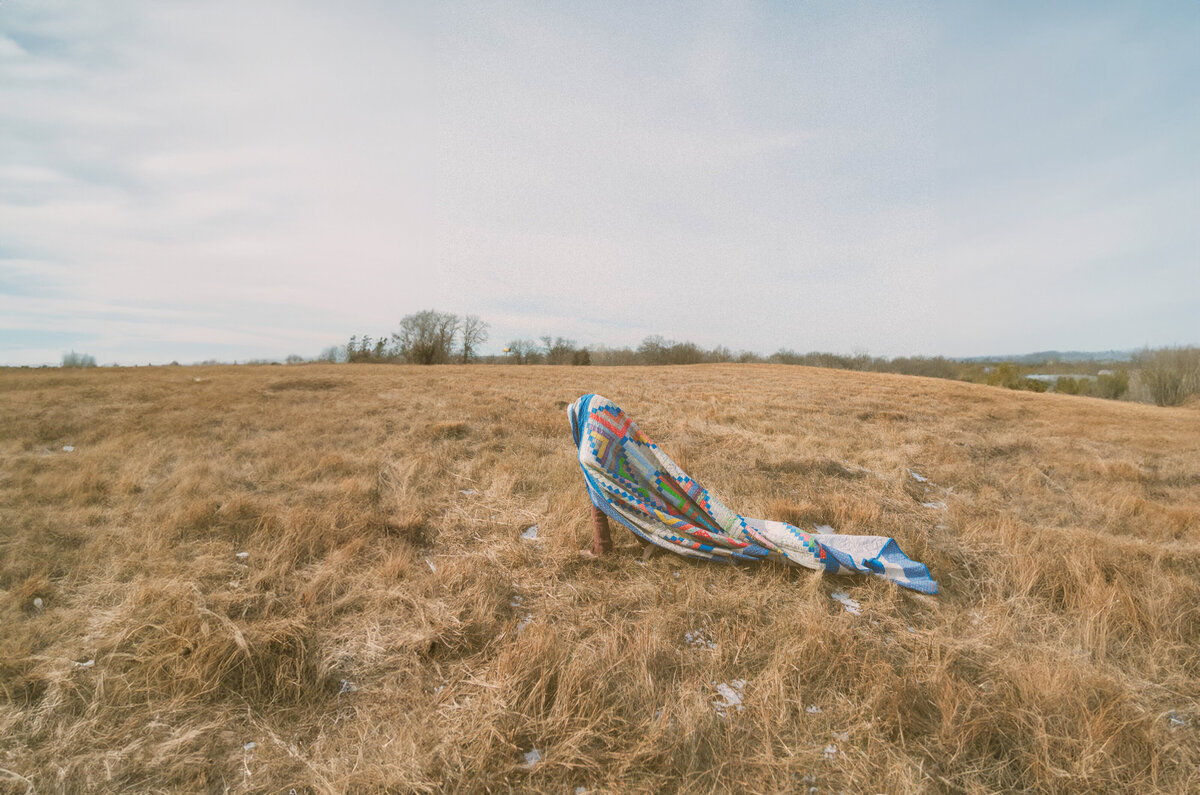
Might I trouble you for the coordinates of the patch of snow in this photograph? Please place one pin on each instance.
(347, 687)
(824, 529)
(1175, 720)
(68, 448)
(87, 664)
(813, 709)
(851, 605)
(532, 757)
(941, 506)
(831, 752)
(697, 639)
(467, 492)
(918, 478)
(524, 622)
(530, 534)
(242, 555)
(38, 603)
(249, 746)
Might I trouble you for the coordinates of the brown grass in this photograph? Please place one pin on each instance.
(369, 639)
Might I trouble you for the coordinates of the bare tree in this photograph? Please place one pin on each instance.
(427, 337)
(474, 334)
(522, 351)
(74, 359)
(557, 350)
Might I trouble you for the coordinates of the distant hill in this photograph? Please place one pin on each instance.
(1045, 357)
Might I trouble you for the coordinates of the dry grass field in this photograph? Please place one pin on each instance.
(388, 630)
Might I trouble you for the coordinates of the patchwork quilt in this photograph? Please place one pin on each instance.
(637, 485)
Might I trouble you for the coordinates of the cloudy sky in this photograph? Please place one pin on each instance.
(233, 180)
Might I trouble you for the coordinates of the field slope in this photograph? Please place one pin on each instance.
(258, 579)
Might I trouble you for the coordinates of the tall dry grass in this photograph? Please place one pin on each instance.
(387, 629)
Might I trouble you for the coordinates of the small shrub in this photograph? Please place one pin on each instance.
(1166, 387)
(1071, 386)
(1171, 375)
(1112, 385)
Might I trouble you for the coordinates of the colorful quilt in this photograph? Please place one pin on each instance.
(637, 485)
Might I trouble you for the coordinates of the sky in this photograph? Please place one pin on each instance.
(182, 181)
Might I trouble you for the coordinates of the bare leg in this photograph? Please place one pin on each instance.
(601, 540)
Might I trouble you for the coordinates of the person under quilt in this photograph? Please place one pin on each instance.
(632, 481)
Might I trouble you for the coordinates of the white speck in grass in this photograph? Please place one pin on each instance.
(38, 603)
(831, 752)
(467, 492)
(249, 746)
(813, 709)
(347, 687)
(429, 563)
(532, 757)
(940, 506)
(242, 555)
(581, 791)
(851, 605)
(1175, 720)
(918, 478)
(731, 696)
(87, 664)
(697, 639)
(68, 448)
(524, 622)
(825, 530)
(530, 534)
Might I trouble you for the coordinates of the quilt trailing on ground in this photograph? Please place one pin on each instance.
(636, 484)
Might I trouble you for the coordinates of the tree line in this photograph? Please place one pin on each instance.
(1166, 376)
